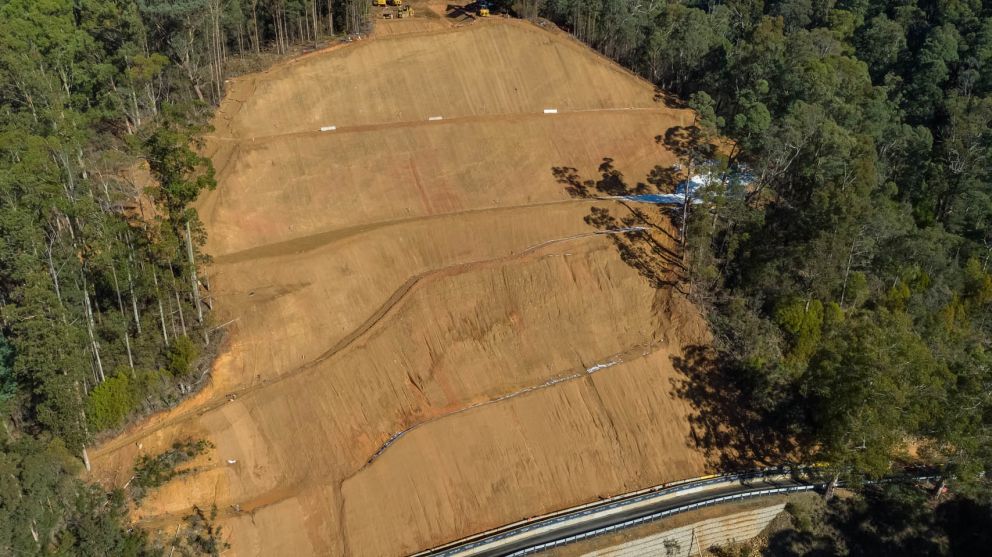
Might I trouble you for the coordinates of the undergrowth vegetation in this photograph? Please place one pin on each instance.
(850, 284)
(155, 471)
(104, 306)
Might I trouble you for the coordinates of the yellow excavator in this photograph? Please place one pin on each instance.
(379, 3)
(483, 8)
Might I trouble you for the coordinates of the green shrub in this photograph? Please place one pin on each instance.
(110, 402)
(155, 388)
(802, 323)
(154, 471)
(7, 384)
(181, 356)
(801, 517)
(857, 289)
(977, 283)
(898, 296)
(201, 535)
(833, 316)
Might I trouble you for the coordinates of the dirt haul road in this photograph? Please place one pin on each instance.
(427, 338)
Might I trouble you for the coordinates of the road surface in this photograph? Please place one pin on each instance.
(618, 513)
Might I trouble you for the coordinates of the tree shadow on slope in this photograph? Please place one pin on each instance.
(460, 12)
(670, 100)
(687, 142)
(728, 427)
(640, 232)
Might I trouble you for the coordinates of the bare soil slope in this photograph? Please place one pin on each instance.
(428, 339)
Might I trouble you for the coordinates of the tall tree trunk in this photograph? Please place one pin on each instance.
(55, 280)
(685, 207)
(161, 310)
(182, 318)
(195, 281)
(316, 20)
(130, 283)
(89, 330)
(330, 17)
(828, 494)
(134, 302)
(254, 19)
(847, 274)
(299, 26)
(130, 359)
(120, 305)
(216, 48)
(187, 62)
(283, 33)
(278, 23)
(285, 30)
(86, 430)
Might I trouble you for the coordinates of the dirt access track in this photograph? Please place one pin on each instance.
(427, 337)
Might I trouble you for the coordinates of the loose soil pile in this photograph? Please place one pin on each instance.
(427, 337)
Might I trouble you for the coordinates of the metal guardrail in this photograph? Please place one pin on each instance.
(658, 516)
(496, 534)
(690, 507)
(806, 473)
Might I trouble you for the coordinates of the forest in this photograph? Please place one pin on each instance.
(849, 286)
(104, 309)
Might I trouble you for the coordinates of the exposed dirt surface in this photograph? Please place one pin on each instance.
(429, 336)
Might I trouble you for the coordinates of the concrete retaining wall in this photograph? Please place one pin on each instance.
(689, 540)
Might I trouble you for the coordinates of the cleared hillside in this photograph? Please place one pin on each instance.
(430, 279)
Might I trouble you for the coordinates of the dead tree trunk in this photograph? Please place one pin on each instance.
(182, 318)
(120, 305)
(330, 17)
(130, 284)
(89, 330)
(195, 281)
(254, 19)
(161, 310)
(828, 494)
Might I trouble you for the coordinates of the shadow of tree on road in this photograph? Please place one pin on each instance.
(727, 427)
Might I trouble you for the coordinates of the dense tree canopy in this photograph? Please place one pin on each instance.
(101, 306)
(850, 283)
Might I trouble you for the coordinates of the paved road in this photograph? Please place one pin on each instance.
(621, 513)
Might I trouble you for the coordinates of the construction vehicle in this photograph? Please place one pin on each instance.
(395, 2)
(380, 3)
(483, 8)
